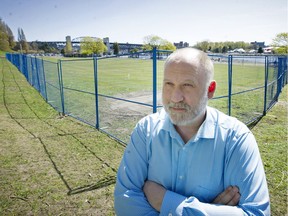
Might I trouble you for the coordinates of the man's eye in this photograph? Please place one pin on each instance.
(169, 83)
(188, 85)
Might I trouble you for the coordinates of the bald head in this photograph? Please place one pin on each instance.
(194, 58)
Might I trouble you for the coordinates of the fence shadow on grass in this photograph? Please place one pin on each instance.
(72, 191)
(100, 184)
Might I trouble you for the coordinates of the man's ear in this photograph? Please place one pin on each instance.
(211, 89)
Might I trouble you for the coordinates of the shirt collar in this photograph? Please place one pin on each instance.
(206, 130)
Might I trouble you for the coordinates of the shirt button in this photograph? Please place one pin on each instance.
(181, 177)
(170, 214)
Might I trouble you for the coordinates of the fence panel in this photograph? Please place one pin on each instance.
(79, 89)
(248, 80)
(41, 77)
(53, 85)
(125, 93)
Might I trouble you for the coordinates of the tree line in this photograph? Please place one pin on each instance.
(280, 44)
(89, 45)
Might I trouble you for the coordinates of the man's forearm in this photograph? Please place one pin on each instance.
(155, 193)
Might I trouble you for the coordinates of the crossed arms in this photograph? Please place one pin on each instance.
(155, 193)
(138, 194)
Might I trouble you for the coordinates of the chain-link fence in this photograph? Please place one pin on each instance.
(113, 93)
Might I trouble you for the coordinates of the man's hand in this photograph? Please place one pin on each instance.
(230, 196)
(154, 193)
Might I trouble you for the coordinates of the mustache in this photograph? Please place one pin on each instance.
(180, 105)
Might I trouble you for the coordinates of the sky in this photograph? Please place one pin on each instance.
(130, 21)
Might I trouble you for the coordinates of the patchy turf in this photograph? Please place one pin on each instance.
(271, 134)
(56, 165)
(50, 164)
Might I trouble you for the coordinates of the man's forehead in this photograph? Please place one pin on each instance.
(176, 66)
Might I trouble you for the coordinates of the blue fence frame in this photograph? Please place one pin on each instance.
(92, 106)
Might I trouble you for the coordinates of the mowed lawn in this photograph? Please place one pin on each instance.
(55, 165)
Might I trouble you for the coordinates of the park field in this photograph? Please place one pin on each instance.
(55, 165)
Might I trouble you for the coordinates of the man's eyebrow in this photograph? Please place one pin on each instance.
(190, 81)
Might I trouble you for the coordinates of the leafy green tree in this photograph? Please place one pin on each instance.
(34, 45)
(89, 46)
(280, 43)
(166, 45)
(224, 49)
(11, 39)
(221, 46)
(100, 47)
(6, 37)
(4, 44)
(44, 47)
(151, 41)
(68, 49)
(203, 45)
(134, 50)
(115, 48)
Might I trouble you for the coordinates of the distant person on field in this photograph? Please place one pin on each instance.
(191, 159)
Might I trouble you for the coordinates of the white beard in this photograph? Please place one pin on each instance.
(188, 117)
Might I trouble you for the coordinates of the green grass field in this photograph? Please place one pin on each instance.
(55, 165)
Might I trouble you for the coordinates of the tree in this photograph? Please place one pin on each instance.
(22, 40)
(89, 46)
(203, 45)
(280, 43)
(224, 49)
(221, 46)
(10, 37)
(260, 50)
(152, 41)
(100, 47)
(6, 37)
(166, 45)
(68, 50)
(4, 44)
(115, 48)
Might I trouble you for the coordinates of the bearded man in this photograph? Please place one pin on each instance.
(190, 159)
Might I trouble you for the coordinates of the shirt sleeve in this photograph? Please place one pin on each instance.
(129, 198)
(175, 205)
(243, 168)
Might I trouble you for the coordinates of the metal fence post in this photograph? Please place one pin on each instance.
(154, 80)
(95, 63)
(37, 74)
(44, 81)
(230, 60)
(61, 85)
(279, 76)
(265, 85)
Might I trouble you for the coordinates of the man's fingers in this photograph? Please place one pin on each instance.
(230, 196)
(235, 200)
(219, 199)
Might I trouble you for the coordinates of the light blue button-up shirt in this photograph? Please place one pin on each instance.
(222, 153)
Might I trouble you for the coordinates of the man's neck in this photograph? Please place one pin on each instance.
(188, 131)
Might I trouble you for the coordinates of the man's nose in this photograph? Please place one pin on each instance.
(177, 95)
